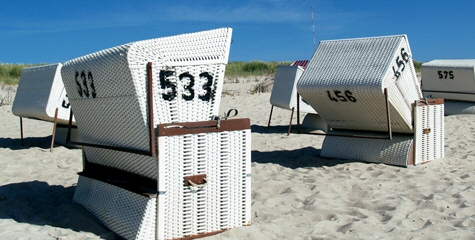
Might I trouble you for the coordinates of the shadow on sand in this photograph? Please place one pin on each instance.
(41, 204)
(298, 158)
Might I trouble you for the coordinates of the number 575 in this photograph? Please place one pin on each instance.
(445, 74)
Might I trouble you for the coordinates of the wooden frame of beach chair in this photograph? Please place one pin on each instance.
(123, 98)
(366, 88)
(453, 80)
(41, 95)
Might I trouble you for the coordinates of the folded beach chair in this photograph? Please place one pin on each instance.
(453, 80)
(367, 91)
(158, 162)
(41, 95)
(284, 93)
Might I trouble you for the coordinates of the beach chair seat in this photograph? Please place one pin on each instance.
(137, 184)
(216, 160)
(368, 88)
(41, 95)
(453, 80)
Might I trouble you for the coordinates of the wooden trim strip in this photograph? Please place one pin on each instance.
(173, 129)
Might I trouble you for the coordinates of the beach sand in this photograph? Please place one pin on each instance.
(295, 193)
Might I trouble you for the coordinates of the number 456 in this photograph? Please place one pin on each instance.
(445, 74)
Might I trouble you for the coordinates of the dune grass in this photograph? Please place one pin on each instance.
(10, 73)
(254, 68)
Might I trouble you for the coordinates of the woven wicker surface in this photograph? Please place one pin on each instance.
(449, 79)
(224, 202)
(284, 91)
(129, 215)
(394, 152)
(40, 92)
(345, 81)
(429, 132)
(108, 91)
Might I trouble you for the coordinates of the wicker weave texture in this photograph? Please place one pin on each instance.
(178, 211)
(108, 89)
(224, 202)
(394, 152)
(429, 132)
(449, 79)
(129, 215)
(284, 91)
(40, 92)
(345, 81)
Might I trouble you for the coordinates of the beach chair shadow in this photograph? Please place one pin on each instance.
(308, 157)
(41, 204)
(30, 142)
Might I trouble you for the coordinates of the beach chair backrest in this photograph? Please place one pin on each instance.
(345, 81)
(284, 91)
(40, 92)
(108, 89)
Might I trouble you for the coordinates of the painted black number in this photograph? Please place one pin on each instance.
(78, 84)
(349, 95)
(341, 98)
(166, 84)
(446, 74)
(65, 103)
(207, 86)
(189, 87)
(401, 63)
(331, 97)
(82, 84)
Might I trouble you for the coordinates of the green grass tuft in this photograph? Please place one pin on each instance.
(10, 73)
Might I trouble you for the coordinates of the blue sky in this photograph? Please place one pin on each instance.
(273, 30)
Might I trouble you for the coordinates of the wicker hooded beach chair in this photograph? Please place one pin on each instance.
(284, 93)
(367, 91)
(453, 80)
(157, 163)
(41, 95)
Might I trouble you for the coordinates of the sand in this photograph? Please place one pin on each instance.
(295, 193)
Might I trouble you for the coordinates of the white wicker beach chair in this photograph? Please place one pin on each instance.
(41, 95)
(119, 96)
(453, 80)
(284, 93)
(366, 89)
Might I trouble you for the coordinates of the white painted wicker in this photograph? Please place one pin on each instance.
(225, 201)
(178, 210)
(40, 92)
(130, 215)
(428, 132)
(449, 79)
(108, 92)
(393, 152)
(345, 81)
(284, 91)
(426, 144)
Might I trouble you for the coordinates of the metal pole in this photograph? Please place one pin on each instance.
(54, 129)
